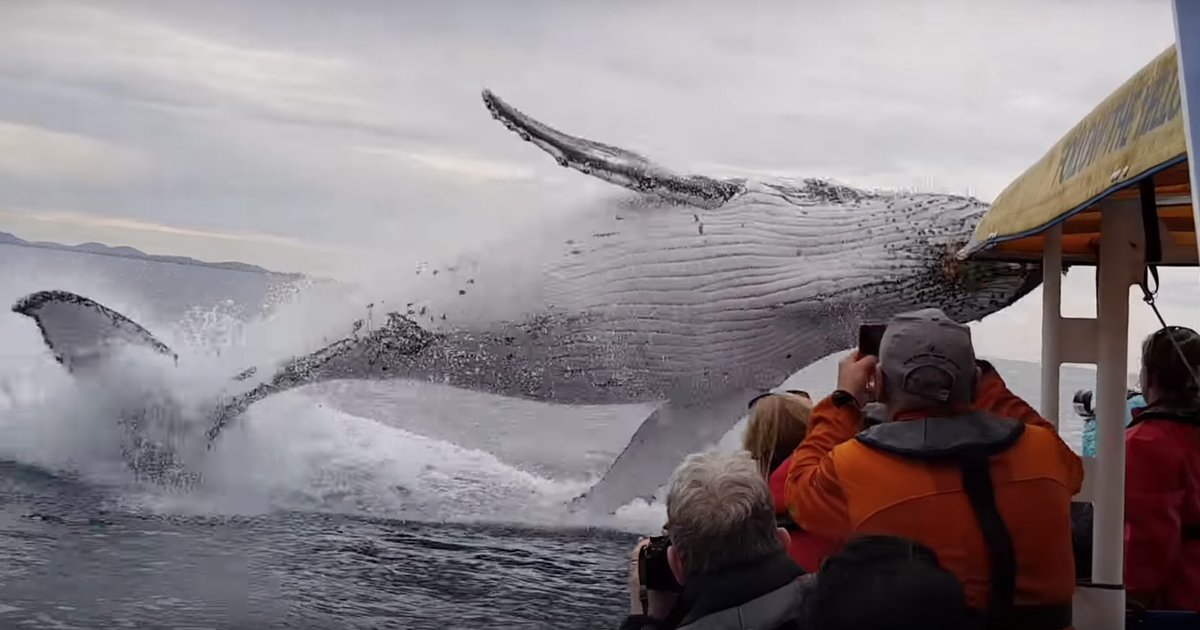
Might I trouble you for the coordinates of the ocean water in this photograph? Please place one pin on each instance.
(344, 505)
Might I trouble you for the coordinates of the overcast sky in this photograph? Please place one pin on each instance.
(331, 136)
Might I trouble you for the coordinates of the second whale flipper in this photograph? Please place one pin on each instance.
(81, 332)
(665, 437)
(614, 164)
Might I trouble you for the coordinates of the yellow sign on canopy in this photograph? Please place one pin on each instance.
(1136, 132)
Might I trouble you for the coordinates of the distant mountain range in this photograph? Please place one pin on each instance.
(101, 249)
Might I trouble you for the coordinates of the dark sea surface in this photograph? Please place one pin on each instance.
(70, 563)
(346, 505)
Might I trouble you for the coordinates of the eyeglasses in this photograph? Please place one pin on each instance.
(794, 392)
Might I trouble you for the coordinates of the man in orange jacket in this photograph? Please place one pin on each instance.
(964, 466)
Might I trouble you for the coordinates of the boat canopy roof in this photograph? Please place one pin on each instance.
(1135, 135)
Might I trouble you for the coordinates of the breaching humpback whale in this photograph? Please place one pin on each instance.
(704, 293)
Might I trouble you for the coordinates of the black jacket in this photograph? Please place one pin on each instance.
(766, 594)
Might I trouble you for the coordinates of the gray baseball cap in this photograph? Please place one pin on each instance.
(929, 355)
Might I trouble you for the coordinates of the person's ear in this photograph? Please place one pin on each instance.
(676, 564)
(785, 538)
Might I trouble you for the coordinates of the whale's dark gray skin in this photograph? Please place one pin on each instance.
(698, 295)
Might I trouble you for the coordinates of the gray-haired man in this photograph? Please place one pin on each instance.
(726, 551)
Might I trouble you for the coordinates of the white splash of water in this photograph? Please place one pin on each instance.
(334, 461)
(289, 452)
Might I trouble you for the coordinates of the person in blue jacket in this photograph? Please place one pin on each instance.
(1081, 513)
(1085, 409)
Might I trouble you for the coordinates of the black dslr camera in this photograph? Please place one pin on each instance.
(654, 570)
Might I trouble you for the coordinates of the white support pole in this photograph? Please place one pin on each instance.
(1051, 322)
(1187, 45)
(1120, 255)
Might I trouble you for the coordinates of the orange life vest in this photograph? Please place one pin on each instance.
(997, 511)
(1008, 540)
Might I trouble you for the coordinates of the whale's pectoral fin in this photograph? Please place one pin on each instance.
(389, 348)
(613, 164)
(82, 333)
(673, 431)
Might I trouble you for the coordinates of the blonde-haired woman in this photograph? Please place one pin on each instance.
(777, 425)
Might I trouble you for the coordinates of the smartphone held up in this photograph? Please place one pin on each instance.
(869, 338)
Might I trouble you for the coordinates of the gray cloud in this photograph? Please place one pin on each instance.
(252, 109)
